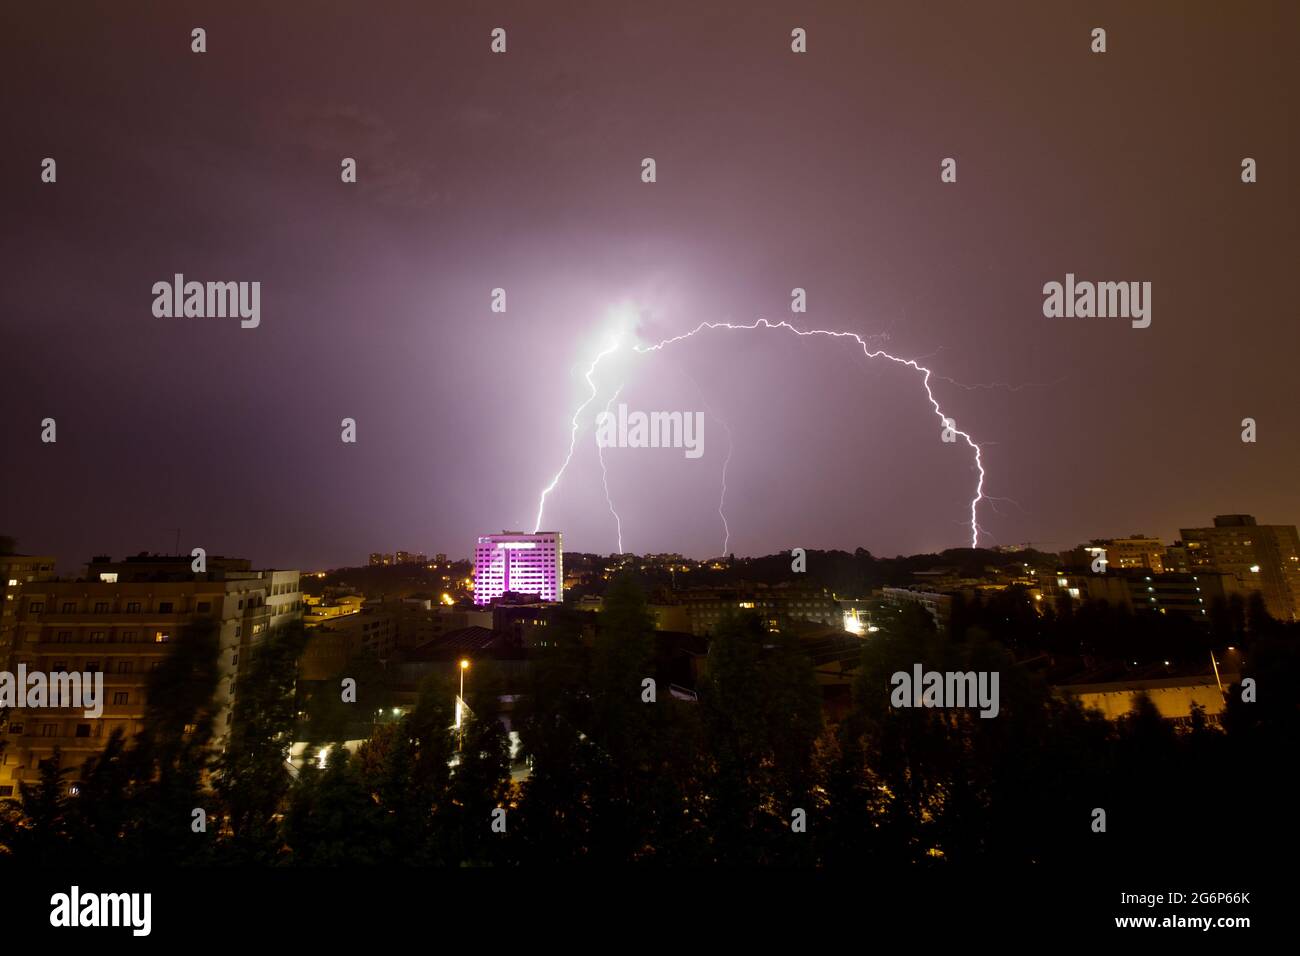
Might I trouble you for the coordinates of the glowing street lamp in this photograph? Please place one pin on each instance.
(460, 698)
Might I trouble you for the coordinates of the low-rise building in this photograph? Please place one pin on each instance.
(1173, 697)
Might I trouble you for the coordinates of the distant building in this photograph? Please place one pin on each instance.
(378, 559)
(1176, 559)
(706, 608)
(318, 612)
(519, 563)
(1136, 551)
(371, 630)
(671, 617)
(533, 624)
(1264, 558)
(1187, 595)
(454, 617)
(935, 603)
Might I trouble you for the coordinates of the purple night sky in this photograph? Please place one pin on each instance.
(522, 171)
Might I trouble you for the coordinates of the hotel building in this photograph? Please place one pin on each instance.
(513, 562)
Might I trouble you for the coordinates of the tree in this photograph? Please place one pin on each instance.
(252, 778)
(331, 819)
(38, 831)
(760, 707)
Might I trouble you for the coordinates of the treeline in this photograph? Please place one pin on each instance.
(748, 775)
(849, 574)
(1079, 636)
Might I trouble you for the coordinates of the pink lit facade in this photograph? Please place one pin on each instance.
(519, 563)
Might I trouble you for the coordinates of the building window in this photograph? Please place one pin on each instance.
(160, 637)
(133, 607)
(60, 666)
(205, 607)
(97, 637)
(121, 697)
(101, 607)
(130, 637)
(83, 730)
(164, 607)
(35, 607)
(16, 729)
(50, 730)
(124, 667)
(6, 790)
(92, 666)
(65, 637)
(69, 607)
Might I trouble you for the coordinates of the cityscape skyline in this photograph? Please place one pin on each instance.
(448, 442)
(121, 620)
(1262, 557)
(71, 562)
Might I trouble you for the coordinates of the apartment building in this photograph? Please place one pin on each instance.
(1264, 558)
(121, 619)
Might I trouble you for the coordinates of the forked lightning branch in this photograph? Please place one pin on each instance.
(609, 426)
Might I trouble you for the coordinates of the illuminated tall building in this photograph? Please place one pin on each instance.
(519, 563)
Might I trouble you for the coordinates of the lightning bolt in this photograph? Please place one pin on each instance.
(731, 446)
(604, 475)
(573, 436)
(722, 498)
(944, 420)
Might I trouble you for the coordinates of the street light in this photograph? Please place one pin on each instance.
(460, 698)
